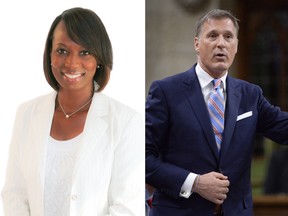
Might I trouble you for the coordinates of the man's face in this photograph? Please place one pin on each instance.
(216, 46)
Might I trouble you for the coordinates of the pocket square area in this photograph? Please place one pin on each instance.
(244, 115)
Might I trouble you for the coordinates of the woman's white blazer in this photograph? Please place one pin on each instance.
(108, 178)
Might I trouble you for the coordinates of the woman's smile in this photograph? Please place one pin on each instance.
(73, 77)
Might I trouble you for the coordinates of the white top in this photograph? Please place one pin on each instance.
(108, 170)
(60, 162)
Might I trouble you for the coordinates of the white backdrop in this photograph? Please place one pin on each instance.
(24, 27)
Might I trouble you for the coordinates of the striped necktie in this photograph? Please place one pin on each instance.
(216, 111)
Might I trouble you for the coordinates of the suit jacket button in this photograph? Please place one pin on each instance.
(184, 193)
(74, 197)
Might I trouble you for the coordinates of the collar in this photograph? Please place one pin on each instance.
(205, 79)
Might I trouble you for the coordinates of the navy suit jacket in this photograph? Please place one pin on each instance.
(180, 140)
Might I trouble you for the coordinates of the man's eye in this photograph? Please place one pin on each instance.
(61, 51)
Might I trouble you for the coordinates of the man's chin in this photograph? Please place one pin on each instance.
(221, 67)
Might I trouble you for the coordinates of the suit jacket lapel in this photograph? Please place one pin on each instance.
(41, 125)
(231, 111)
(193, 92)
(94, 130)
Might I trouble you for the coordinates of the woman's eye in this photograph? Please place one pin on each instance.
(85, 52)
(61, 51)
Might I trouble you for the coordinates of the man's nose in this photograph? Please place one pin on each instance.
(221, 41)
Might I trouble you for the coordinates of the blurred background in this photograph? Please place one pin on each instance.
(262, 58)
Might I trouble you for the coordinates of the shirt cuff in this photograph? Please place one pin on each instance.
(186, 189)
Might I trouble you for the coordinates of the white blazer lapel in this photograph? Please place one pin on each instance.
(39, 131)
(94, 129)
(42, 123)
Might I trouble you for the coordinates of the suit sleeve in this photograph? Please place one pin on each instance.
(272, 121)
(14, 195)
(127, 192)
(166, 177)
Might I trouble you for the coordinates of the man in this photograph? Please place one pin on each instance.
(199, 136)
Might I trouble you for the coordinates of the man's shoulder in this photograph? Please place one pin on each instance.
(244, 85)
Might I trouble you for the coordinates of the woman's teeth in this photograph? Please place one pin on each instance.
(73, 76)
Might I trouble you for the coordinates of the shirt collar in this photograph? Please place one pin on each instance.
(205, 79)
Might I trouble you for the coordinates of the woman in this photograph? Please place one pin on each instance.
(76, 151)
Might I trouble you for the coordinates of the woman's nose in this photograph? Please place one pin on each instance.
(72, 61)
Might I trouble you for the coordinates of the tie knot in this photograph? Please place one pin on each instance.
(216, 83)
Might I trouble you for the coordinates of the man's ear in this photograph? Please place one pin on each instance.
(196, 44)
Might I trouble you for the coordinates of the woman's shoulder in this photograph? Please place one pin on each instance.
(41, 100)
(119, 116)
(115, 107)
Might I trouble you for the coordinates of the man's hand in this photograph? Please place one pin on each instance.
(212, 186)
